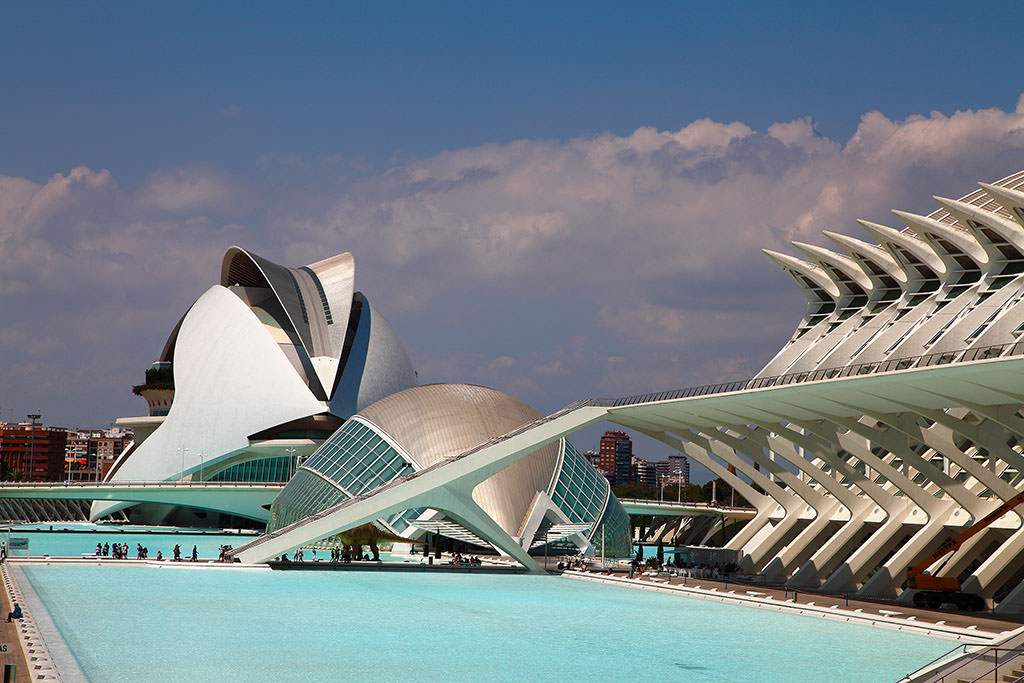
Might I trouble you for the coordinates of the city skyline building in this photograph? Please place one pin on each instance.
(616, 457)
(33, 451)
(674, 469)
(645, 472)
(90, 453)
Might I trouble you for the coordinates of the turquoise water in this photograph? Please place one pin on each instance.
(256, 625)
(74, 543)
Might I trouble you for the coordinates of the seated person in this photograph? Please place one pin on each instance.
(15, 613)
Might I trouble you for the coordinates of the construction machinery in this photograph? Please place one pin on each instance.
(934, 591)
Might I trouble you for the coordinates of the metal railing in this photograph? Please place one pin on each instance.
(994, 670)
(855, 370)
(678, 504)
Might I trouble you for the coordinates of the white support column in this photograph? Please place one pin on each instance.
(813, 571)
(886, 580)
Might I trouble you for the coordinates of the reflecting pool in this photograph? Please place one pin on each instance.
(176, 622)
(70, 539)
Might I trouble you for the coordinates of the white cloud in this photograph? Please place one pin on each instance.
(190, 189)
(551, 270)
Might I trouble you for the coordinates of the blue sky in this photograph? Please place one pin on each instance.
(558, 200)
(127, 86)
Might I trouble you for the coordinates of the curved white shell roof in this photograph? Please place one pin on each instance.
(267, 346)
(438, 421)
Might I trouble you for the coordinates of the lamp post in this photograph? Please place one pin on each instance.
(291, 461)
(182, 450)
(679, 484)
(32, 456)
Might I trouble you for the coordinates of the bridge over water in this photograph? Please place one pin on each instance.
(245, 500)
(253, 500)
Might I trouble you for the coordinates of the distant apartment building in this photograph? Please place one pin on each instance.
(645, 472)
(674, 469)
(616, 458)
(594, 458)
(90, 453)
(35, 453)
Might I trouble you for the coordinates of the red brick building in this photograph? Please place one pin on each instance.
(36, 454)
(615, 457)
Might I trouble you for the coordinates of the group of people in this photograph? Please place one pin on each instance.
(457, 558)
(575, 563)
(338, 555)
(177, 554)
(119, 551)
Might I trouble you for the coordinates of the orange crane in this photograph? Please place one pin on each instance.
(934, 591)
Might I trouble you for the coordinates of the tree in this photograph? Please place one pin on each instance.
(724, 493)
(636, 490)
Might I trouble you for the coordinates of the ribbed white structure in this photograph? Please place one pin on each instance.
(861, 489)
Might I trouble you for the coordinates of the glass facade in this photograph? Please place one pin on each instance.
(305, 494)
(357, 459)
(354, 460)
(583, 494)
(580, 490)
(613, 531)
(262, 470)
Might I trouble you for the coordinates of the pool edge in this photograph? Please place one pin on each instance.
(978, 636)
(48, 657)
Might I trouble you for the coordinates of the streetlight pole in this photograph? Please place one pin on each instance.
(679, 485)
(291, 461)
(32, 457)
(181, 474)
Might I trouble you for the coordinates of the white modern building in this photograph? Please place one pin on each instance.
(552, 496)
(266, 364)
(891, 421)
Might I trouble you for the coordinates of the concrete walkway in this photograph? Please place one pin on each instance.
(980, 627)
(9, 637)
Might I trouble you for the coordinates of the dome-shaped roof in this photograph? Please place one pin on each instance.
(438, 421)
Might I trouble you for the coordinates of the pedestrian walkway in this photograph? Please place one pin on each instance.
(986, 621)
(9, 636)
(982, 626)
